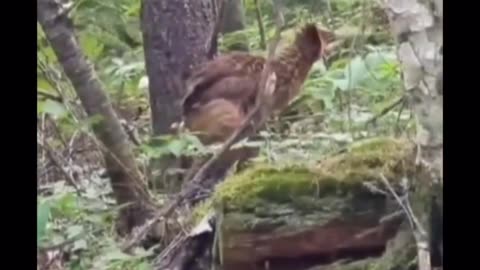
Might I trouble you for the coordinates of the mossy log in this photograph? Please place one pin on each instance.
(335, 215)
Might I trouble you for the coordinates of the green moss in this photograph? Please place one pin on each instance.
(285, 198)
(200, 211)
(338, 176)
(266, 183)
(368, 158)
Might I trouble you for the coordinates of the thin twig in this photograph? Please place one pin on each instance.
(51, 154)
(397, 121)
(261, 29)
(385, 110)
(66, 242)
(423, 252)
(46, 95)
(219, 13)
(406, 208)
(277, 9)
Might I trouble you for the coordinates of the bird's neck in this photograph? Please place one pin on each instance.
(292, 69)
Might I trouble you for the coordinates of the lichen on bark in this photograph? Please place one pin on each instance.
(418, 27)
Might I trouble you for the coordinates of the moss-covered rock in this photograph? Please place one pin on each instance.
(339, 174)
(290, 210)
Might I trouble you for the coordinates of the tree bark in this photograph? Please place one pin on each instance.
(418, 28)
(125, 177)
(177, 36)
(233, 20)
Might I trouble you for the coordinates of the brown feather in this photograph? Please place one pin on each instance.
(220, 93)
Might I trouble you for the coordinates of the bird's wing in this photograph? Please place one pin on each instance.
(229, 76)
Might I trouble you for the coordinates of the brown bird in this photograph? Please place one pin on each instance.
(222, 92)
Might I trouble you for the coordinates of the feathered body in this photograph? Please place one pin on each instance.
(222, 92)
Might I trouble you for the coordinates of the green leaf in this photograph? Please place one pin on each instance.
(55, 109)
(176, 147)
(355, 73)
(154, 151)
(328, 95)
(125, 69)
(194, 142)
(143, 83)
(91, 46)
(116, 255)
(95, 219)
(91, 121)
(144, 266)
(66, 206)
(375, 59)
(80, 245)
(43, 213)
(184, 144)
(43, 84)
(47, 54)
(74, 231)
(341, 84)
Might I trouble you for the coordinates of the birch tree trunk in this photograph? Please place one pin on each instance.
(126, 180)
(418, 28)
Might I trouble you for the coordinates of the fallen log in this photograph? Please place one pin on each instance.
(335, 215)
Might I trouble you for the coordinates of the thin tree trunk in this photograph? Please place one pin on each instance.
(125, 177)
(261, 28)
(233, 20)
(177, 36)
(418, 27)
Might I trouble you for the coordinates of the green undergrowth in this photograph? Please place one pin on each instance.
(287, 188)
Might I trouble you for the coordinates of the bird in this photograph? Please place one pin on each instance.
(221, 92)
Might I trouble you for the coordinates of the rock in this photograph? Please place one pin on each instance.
(294, 217)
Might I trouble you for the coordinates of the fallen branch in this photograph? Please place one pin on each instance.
(386, 110)
(420, 234)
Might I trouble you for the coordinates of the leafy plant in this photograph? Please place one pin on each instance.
(43, 214)
(183, 144)
(332, 111)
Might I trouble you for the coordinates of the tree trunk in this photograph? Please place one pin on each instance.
(233, 20)
(418, 27)
(177, 36)
(125, 177)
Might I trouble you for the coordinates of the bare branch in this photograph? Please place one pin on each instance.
(53, 157)
(46, 95)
